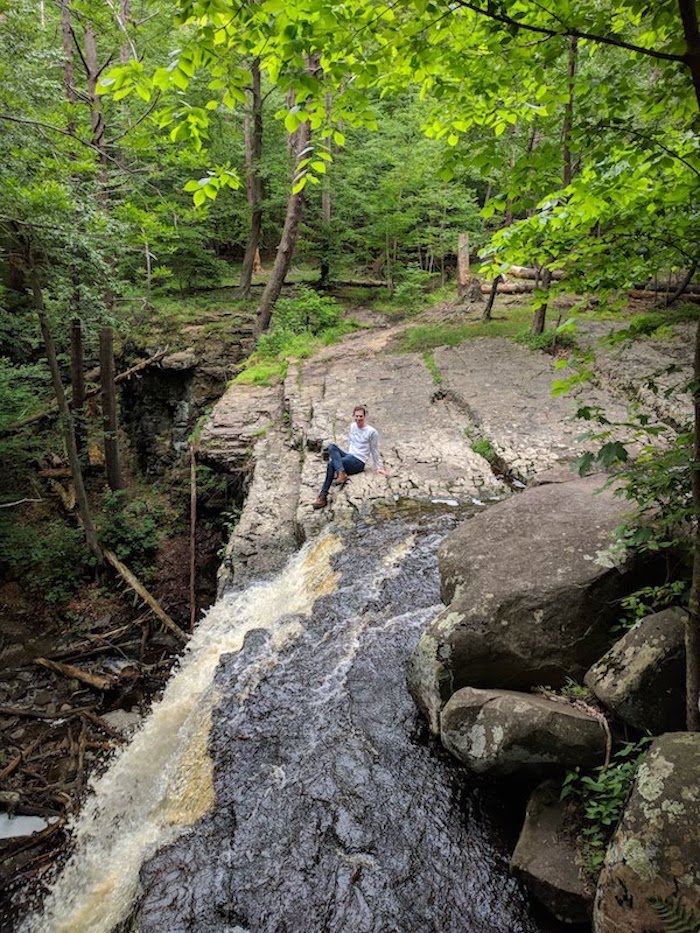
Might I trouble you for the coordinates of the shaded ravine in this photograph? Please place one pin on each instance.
(322, 808)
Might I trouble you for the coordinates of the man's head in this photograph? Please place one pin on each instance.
(359, 412)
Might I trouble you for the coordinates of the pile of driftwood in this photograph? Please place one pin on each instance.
(61, 716)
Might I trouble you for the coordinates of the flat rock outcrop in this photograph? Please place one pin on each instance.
(490, 388)
(546, 857)
(655, 851)
(642, 678)
(531, 589)
(502, 732)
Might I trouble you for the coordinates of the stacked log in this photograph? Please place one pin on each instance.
(528, 279)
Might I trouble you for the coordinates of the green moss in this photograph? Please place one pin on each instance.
(262, 373)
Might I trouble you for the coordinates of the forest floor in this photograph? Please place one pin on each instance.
(57, 727)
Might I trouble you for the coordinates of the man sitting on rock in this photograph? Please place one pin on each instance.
(363, 442)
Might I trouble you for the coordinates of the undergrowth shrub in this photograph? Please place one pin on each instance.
(130, 528)
(600, 797)
(50, 558)
(299, 326)
(411, 285)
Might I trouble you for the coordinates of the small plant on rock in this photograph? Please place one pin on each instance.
(600, 799)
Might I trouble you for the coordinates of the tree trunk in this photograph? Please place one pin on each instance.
(569, 113)
(254, 182)
(692, 630)
(92, 74)
(285, 250)
(126, 50)
(68, 72)
(486, 316)
(689, 18)
(66, 420)
(463, 275)
(540, 317)
(109, 410)
(326, 207)
(77, 381)
(681, 287)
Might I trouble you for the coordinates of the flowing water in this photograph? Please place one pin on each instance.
(284, 782)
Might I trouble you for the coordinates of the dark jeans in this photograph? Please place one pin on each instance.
(338, 460)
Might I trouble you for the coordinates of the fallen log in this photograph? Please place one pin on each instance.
(98, 681)
(150, 600)
(644, 295)
(509, 288)
(530, 272)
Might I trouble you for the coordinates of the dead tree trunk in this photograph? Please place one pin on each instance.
(66, 419)
(285, 250)
(463, 275)
(109, 410)
(77, 381)
(254, 182)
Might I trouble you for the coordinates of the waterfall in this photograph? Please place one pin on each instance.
(284, 782)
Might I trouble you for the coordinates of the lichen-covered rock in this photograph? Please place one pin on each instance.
(642, 678)
(532, 587)
(503, 732)
(655, 852)
(546, 857)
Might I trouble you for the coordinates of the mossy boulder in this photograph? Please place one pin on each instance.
(642, 678)
(503, 732)
(652, 866)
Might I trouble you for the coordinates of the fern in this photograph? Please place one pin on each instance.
(675, 917)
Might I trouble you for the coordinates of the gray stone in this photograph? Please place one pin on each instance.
(183, 359)
(547, 857)
(503, 732)
(655, 851)
(642, 678)
(532, 587)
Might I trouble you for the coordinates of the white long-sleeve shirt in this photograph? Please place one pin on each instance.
(363, 443)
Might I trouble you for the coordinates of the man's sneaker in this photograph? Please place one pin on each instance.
(341, 478)
(321, 502)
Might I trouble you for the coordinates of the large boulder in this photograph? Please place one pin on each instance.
(654, 856)
(502, 732)
(547, 857)
(642, 678)
(532, 586)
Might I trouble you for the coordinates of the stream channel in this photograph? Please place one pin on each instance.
(285, 781)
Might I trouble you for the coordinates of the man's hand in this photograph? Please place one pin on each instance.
(381, 471)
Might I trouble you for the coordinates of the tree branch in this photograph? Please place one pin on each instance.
(573, 33)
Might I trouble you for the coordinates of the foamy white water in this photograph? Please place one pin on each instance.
(161, 782)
